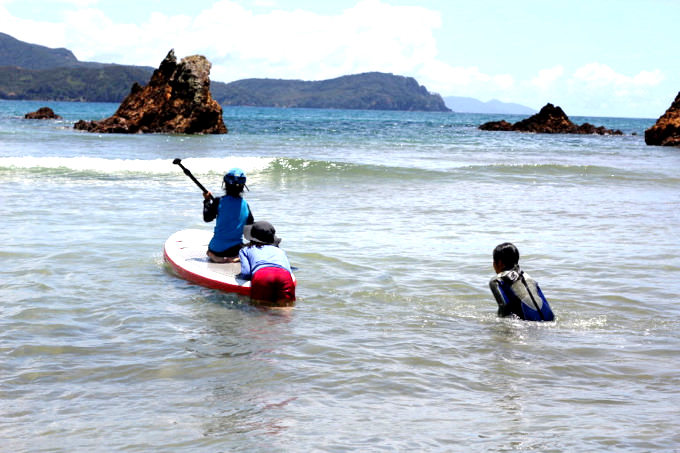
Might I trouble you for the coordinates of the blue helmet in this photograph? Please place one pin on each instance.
(235, 176)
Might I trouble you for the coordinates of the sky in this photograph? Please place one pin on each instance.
(613, 58)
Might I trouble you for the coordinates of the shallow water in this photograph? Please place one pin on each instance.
(394, 343)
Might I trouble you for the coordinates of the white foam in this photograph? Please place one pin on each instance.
(155, 166)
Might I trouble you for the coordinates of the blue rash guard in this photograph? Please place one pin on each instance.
(232, 214)
(254, 258)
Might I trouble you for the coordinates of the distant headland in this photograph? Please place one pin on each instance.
(471, 105)
(367, 91)
(33, 72)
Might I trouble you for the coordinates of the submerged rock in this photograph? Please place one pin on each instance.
(43, 113)
(550, 120)
(177, 99)
(666, 131)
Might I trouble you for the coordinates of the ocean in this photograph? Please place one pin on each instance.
(390, 219)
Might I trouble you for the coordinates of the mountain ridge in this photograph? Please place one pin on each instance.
(35, 72)
(471, 105)
(365, 91)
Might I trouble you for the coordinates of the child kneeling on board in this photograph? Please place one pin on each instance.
(232, 213)
(516, 293)
(267, 266)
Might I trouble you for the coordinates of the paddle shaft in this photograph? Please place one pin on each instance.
(188, 173)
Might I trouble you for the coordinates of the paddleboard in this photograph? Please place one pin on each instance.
(184, 252)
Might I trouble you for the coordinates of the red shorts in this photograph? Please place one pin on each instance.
(273, 286)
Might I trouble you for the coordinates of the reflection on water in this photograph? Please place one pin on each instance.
(249, 394)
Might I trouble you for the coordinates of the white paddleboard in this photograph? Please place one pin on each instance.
(184, 252)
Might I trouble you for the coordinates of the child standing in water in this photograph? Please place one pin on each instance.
(516, 293)
(267, 266)
(232, 213)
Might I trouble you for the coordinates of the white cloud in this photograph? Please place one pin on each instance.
(44, 33)
(649, 78)
(600, 75)
(372, 35)
(367, 37)
(547, 77)
(452, 76)
(596, 74)
(600, 90)
(599, 80)
(504, 81)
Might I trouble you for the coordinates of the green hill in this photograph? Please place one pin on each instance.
(110, 83)
(33, 72)
(31, 56)
(368, 91)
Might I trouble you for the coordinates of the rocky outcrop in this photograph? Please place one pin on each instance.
(43, 113)
(666, 131)
(177, 99)
(550, 120)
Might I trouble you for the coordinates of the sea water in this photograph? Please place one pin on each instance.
(390, 219)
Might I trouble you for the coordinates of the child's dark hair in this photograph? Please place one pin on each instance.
(233, 190)
(507, 254)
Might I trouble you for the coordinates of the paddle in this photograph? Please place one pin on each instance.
(188, 173)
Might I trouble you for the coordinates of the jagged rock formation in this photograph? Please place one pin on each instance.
(550, 120)
(177, 99)
(666, 131)
(43, 113)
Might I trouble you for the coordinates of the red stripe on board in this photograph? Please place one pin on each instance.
(203, 281)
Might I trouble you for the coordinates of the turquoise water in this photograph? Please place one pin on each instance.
(394, 344)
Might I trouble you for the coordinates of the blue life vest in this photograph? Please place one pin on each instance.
(232, 214)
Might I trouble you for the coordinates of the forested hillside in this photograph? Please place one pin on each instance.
(372, 91)
(33, 72)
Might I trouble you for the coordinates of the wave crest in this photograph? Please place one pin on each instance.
(154, 166)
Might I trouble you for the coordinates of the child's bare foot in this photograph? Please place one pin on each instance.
(221, 259)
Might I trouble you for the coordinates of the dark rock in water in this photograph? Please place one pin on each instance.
(666, 131)
(177, 99)
(43, 113)
(501, 125)
(550, 120)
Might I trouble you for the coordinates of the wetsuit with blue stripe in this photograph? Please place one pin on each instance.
(518, 294)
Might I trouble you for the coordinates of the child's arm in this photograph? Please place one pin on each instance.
(500, 296)
(246, 272)
(210, 206)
